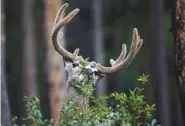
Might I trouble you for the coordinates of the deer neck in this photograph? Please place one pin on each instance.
(74, 95)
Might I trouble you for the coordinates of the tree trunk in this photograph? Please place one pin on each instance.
(13, 37)
(54, 61)
(159, 62)
(142, 20)
(28, 57)
(98, 42)
(28, 50)
(6, 117)
(178, 29)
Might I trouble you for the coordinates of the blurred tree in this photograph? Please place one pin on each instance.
(13, 37)
(98, 42)
(28, 56)
(158, 61)
(28, 50)
(141, 20)
(41, 56)
(53, 61)
(178, 29)
(5, 113)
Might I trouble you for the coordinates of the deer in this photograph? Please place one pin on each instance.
(93, 71)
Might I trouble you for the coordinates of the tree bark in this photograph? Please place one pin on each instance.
(28, 55)
(54, 61)
(178, 30)
(6, 117)
(13, 37)
(28, 47)
(98, 42)
(158, 61)
(143, 56)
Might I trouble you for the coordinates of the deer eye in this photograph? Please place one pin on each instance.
(75, 64)
(95, 73)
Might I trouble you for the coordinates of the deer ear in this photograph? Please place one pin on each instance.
(67, 64)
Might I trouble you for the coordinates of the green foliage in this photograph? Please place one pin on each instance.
(138, 111)
(117, 109)
(34, 113)
(153, 123)
(14, 120)
(84, 63)
(143, 79)
(85, 90)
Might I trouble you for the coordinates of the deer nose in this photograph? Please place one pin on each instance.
(89, 71)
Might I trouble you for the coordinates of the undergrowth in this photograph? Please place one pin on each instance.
(117, 109)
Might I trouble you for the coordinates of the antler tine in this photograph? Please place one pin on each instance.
(56, 28)
(123, 62)
(121, 57)
(61, 13)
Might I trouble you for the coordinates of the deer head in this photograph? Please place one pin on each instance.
(82, 71)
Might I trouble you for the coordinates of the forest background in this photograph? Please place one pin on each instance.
(30, 65)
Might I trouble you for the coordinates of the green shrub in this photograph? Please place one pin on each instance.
(117, 109)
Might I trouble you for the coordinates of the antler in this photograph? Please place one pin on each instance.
(60, 21)
(120, 63)
(123, 62)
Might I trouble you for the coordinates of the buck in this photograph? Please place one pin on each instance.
(92, 72)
